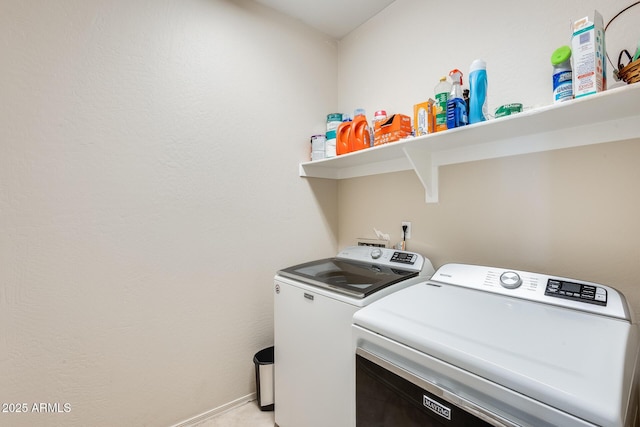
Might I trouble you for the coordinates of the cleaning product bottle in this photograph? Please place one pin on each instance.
(456, 107)
(360, 135)
(465, 96)
(334, 120)
(441, 92)
(379, 117)
(478, 109)
(562, 74)
(342, 136)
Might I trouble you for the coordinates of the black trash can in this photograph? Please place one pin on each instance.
(264, 378)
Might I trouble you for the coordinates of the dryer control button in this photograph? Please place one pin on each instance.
(376, 253)
(510, 280)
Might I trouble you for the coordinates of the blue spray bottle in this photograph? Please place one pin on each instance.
(456, 107)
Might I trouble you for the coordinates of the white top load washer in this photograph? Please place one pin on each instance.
(314, 305)
(507, 347)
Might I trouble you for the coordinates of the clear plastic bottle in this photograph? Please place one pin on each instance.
(456, 107)
(478, 109)
(562, 74)
(441, 93)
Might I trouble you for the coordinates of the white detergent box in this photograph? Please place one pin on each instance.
(588, 56)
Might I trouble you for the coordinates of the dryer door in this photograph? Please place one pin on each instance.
(389, 396)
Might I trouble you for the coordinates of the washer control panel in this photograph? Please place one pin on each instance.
(404, 257)
(387, 257)
(576, 291)
(540, 288)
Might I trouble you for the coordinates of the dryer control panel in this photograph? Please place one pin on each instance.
(558, 291)
(576, 291)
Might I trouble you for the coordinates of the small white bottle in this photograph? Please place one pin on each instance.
(379, 117)
(562, 74)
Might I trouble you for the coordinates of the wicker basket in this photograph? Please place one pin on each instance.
(630, 73)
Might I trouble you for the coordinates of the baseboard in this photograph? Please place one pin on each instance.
(216, 411)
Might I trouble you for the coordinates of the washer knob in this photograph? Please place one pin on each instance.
(376, 253)
(510, 280)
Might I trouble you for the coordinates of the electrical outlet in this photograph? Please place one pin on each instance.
(407, 235)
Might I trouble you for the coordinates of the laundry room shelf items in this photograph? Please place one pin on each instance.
(609, 116)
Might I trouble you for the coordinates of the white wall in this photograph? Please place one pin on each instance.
(568, 212)
(148, 193)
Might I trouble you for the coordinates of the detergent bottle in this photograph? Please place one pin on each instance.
(342, 136)
(456, 107)
(478, 110)
(442, 90)
(360, 134)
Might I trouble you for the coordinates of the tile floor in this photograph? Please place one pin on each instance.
(246, 415)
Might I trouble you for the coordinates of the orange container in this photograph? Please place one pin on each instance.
(360, 135)
(342, 138)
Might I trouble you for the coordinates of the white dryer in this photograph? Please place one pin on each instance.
(489, 346)
(314, 305)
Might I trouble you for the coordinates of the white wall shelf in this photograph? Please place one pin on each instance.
(613, 115)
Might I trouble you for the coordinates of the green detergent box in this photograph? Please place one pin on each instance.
(588, 56)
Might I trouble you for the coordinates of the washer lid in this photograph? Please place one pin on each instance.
(578, 362)
(356, 279)
(359, 271)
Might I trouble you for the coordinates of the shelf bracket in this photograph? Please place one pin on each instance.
(422, 162)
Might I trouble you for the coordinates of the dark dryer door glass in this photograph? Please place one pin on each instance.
(356, 279)
(384, 399)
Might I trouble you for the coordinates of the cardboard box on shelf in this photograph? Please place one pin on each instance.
(588, 56)
(394, 128)
(424, 117)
